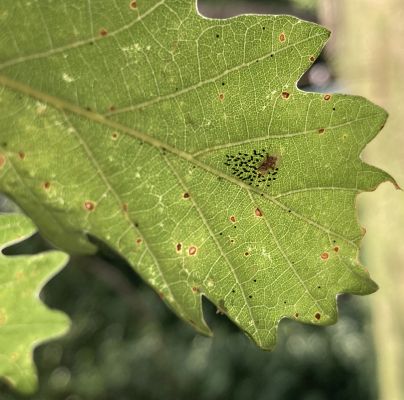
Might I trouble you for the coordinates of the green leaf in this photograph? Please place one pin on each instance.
(143, 124)
(25, 321)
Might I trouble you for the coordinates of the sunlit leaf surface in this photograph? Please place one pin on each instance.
(184, 144)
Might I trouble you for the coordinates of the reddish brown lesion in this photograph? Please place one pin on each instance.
(258, 212)
(268, 164)
(89, 205)
(192, 250)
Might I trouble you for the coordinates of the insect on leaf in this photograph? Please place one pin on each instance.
(184, 144)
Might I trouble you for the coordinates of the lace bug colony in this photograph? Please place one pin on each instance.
(258, 168)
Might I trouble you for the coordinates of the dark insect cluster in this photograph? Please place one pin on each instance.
(257, 168)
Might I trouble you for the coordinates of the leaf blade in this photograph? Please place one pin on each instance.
(24, 320)
(180, 207)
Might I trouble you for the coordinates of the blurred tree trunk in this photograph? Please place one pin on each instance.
(369, 58)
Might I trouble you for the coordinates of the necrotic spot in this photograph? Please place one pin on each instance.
(89, 205)
(258, 212)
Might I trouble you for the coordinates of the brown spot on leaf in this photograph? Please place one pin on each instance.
(114, 135)
(246, 253)
(46, 185)
(139, 241)
(178, 247)
(324, 256)
(312, 58)
(258, 212)
(282, 37)
(89, 205)
(161, 295)
(186, 196)
(125, 207)
(21, 154)
(321, 131)
(327, 97)
(317, 315)
(233, 219)
(133, 5)
(336, 249)
(112, 108)
(221, 96)
(192, 250)
(195, 289)
(2, 160)
(103, 32)
(285, 95)
(297, 315)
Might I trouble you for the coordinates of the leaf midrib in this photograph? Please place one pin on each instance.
(63, 106)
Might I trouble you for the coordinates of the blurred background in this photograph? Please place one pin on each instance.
(126, 345)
